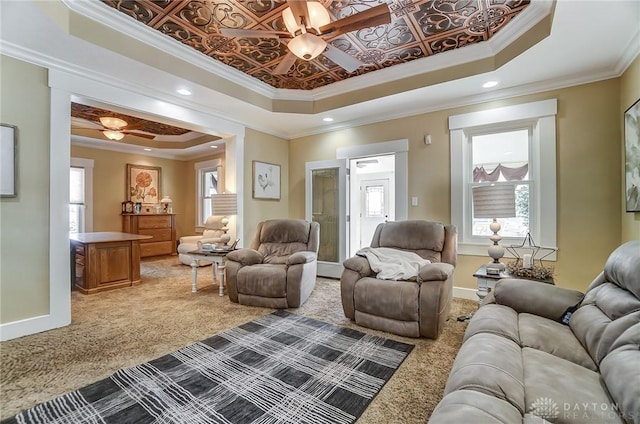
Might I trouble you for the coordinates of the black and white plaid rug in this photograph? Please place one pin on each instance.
(281, 368)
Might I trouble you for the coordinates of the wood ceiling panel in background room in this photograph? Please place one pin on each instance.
(418, 28)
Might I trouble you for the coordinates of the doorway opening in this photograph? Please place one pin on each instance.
(373, 199)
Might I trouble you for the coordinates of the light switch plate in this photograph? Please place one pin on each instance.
(414, 201)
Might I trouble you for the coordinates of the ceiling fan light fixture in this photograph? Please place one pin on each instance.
(307, 46)
(318, 16)
(113, 122)
(113, 135)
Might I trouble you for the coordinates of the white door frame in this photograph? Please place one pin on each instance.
(331, 269)
(398, 148)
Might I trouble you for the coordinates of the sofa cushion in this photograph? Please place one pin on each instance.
(425, 238)
(398, 300)
(475, 407)
(621, 373)
(490, 364)
(263, 280)
(622, 267)
(494, 319)
(594, 323)
(563, 392)
(554, 338)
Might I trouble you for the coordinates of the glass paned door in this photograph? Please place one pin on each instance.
(326, 204)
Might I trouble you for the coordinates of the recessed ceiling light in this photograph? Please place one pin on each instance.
(214, 146)
(184, 92)
(327, 119)
(490, 84)
(146, 149)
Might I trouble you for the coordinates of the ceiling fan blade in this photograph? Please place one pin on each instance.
(342, 59)
(141, 135)
(251, 33)
(285, 64)
(376, 16)
(299, 10)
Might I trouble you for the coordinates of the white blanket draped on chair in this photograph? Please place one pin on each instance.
(393, 264)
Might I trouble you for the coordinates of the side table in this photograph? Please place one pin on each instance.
(486, 282)
(217, 257)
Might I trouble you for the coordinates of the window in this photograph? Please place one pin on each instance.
(513, 148)
(208, 182)
(76, 200)
(81, 195)
(502, 158)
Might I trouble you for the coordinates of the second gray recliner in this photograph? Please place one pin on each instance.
(408, 308)
(279, 268)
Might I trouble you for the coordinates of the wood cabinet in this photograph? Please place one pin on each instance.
(105, 261)
(161, 227)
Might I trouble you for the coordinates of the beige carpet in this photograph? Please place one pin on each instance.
(128, 326)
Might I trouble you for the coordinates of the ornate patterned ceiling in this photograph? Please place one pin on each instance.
(418, 29)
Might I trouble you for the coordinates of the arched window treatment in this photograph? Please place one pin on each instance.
(509, 174)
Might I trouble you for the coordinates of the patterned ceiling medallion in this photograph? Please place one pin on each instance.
(418, 29)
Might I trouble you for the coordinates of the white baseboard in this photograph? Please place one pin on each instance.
(25, 327)
(464, 293)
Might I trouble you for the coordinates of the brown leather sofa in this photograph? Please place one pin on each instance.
(408, 308)
(520, 364)
(279, 268)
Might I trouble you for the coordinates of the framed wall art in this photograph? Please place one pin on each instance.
(144, 184)
(8, 160)
(266, 180)
(632, 157)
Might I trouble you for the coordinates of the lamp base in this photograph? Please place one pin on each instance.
(495, 268)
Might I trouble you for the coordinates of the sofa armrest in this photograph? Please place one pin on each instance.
(439, 271)
(360, 265)
(190, 239)
(535, 297)
(245, 257)
(301, 258)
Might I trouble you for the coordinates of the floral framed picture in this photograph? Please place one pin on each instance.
(632, 157)
(266, 180)
(143, 184)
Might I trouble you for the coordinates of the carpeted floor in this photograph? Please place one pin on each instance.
(129, 326)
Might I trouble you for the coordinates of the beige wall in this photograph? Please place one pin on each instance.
(587, 168)
(178, 181)
(629, 94)
(265, 148)
(24, 220)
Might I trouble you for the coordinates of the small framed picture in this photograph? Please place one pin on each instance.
(143, 184)
(8, 160)
(266, 180)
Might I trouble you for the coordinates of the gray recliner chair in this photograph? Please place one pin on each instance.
(279, 268)
(414, 308)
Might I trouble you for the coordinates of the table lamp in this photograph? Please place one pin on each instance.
(494, 201)
(224, 205)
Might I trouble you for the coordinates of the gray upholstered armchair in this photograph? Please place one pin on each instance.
(279, 268)
(414, 308)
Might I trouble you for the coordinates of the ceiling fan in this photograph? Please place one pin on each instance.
(310, 27)
(114, 129)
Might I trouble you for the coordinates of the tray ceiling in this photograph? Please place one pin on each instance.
(86, 123)
(418, 29)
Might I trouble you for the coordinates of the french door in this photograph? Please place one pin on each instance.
(326, 203)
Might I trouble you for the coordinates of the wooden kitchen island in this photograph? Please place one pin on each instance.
(105, 261)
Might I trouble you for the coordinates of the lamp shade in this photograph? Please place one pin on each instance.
(318, 16)
(307, 46)
(494, 201)
(112, 122)
(224, 204)
(113, 135)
